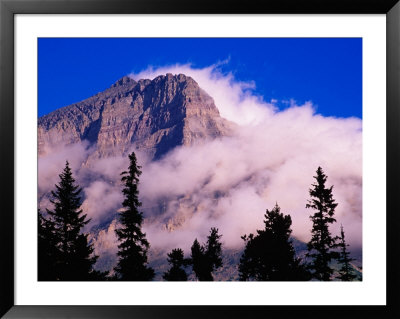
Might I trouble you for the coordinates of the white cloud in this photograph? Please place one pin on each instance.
(52, 164)
(102, 199)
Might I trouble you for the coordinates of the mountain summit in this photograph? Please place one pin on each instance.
(154, 116)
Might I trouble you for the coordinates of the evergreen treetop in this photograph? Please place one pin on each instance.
(208, 257)
(322, 243)
(346, 271)
(269, 255)
(73, 256)
(133, 246)
(214, 249)
(177, 261)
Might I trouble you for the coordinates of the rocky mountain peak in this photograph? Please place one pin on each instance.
(124, 81)
(151, 115)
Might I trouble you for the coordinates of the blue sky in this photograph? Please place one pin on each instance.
(326, 71)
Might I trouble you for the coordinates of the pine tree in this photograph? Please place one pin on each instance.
(47, 249)
(346, 271)
(321, 245)
(75, 259)
(199, 263)
(177, 261)
(133, 247)
(214, 249)
(208, 257)
(269, 255)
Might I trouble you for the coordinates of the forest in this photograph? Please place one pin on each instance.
(66, 254)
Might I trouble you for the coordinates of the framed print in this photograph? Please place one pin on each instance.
(241, 160)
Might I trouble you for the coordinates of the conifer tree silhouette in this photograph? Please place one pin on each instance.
(208, 257)
(199, 263)
(269, 255)
(346, 271)
(177, 261)
(214, 249)
(321, 245)
(74, 258)
(133, 246)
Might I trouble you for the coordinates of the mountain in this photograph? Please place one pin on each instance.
(154, 116)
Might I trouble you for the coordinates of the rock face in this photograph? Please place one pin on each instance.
(152, 115)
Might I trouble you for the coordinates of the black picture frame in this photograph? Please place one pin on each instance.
(8, 8)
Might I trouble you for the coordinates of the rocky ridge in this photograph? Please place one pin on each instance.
(154, 116)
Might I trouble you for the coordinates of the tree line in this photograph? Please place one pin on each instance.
(65, 253)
